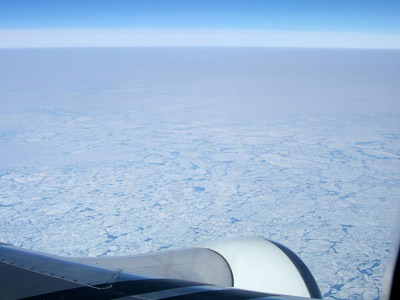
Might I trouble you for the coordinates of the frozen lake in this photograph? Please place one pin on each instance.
(123, 151)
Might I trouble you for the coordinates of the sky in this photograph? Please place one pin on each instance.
(28, 23)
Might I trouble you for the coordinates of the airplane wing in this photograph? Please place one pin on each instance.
(234, 269)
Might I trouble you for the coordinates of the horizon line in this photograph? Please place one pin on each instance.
(127, 37)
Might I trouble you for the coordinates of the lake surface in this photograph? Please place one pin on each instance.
(124, 151)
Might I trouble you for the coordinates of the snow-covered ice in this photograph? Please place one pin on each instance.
(123, 151)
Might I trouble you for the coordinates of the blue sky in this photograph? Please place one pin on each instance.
(311, 15)
(366, 17)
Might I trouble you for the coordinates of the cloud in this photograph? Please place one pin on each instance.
(51, 38)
